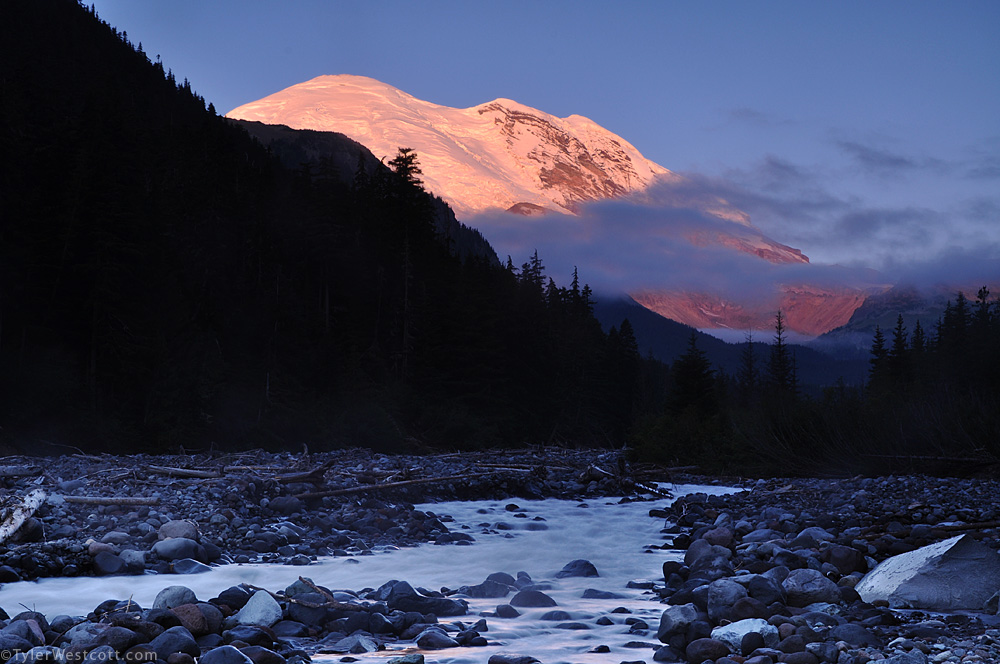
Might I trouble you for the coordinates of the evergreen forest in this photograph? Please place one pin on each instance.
(169, 282)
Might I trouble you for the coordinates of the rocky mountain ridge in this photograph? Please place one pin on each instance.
(498, 155)
(506, 156)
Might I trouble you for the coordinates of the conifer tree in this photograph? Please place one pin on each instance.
(693, 381)
(897, 361)
(748, 376)
(918, 341)
(406, 165)
(779, 365)
(879, 354)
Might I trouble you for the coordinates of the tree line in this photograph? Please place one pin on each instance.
(931, 403)
(168, 283)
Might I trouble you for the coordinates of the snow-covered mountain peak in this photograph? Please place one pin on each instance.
(501, 154)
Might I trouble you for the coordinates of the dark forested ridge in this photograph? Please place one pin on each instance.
(167, 282)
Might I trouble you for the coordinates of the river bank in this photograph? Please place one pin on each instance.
(707, 561)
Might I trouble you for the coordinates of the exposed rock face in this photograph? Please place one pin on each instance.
(807, 309)
(501, 154)
(505, 156)
(958, 573)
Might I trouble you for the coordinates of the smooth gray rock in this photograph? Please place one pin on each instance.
(225, 655)
(504, 658)
(722, 594)
(487, 589)
(958, 573)
(594, 593)
(702, 548)
(106, 564)
(176, 548)
(175, 639)
(577, 568)
(532, 598)
(189, 566)
(401, 595)
(434, 638)
(357, 644)
(854, 635)
(701, 649)
(172, 596)
(766, 590)
(261, 610)
(808, 586)
(178, 528)
(135, 561)
(710, 567)
(675, 620)
(733, 633)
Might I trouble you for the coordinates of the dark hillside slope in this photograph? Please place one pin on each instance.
(330, 154)
(165, 282)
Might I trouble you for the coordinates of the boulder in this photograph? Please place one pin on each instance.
(504, 658)
(175, 639)
(487, 589)
(577, 568)
(808, 586)
(532, 598)
(261, 610)
(401, 595)
(176, 548)
(225, 655)
(357, 644)
(106, 564)
(178, 528)
(172, 596)
(675, 620)
(189, 566)
(702, 548)
(434, 638)
(701, 649)
(722, 594)
(958, 573)
(733, 633)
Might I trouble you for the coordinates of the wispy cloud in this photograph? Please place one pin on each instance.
(877, 159)
(670, 240)
(755, 118)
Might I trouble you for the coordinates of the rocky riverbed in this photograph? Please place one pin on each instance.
(764, 575)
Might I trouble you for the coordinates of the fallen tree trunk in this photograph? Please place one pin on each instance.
(982, 525)
(111, 500)
(184, 472)
(595, 472)
(20, 471)
(314, 476)
(21, 513)
(389, 485)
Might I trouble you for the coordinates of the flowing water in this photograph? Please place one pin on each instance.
(613, 536)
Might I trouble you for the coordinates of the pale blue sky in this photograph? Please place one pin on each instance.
(859, 132)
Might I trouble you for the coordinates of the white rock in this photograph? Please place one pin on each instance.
(261, 610)
(733, 633)
(958, 573)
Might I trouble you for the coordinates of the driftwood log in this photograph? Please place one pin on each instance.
(111, 500)
(388, 485)
(20, 513)
(595, 472)
(314, 476)
(20, 471)
(185, 472)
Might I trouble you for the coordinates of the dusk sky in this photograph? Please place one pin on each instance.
(861, 133)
